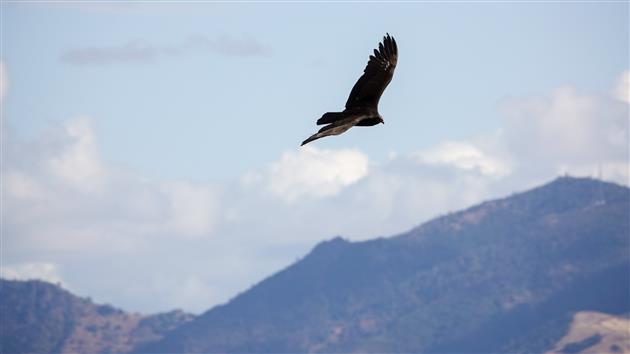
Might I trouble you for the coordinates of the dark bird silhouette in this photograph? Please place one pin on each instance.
(362, 106)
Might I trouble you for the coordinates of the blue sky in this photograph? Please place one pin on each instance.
(166, 135)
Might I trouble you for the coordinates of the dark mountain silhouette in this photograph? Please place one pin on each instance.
(39, 317)
(504, 276)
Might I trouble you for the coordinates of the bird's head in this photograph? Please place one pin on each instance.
(380, 120)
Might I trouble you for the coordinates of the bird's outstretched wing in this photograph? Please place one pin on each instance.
(376, 76)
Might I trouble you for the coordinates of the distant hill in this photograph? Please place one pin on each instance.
(39, 317)
(505, 276)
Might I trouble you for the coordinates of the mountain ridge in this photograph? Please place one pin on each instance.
(464, 271)
(40, 317)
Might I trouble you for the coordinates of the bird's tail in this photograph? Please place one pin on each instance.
(331, 117)
(312, 137)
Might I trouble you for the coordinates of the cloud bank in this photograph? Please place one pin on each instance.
(568, 132)
(120, 237)
(33, 271)
(622, 90)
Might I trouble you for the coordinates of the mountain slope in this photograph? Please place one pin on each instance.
(506, 275)
(39, 317)
(594, 332)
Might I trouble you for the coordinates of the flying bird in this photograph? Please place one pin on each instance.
(362, 105)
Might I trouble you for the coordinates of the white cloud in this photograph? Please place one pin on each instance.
(566, 130)
(622, 91)
(22, 186)
(311, 172)
(81, 201)
(79, 164)
(29, 271)
(407, 189)
(465, 156)
(320, 193)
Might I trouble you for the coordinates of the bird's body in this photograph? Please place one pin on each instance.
(362, 105)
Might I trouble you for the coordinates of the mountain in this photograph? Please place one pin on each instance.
(507, 275)
(547, 270)
(39, 317)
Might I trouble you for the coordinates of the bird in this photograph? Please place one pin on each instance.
(362, 105)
